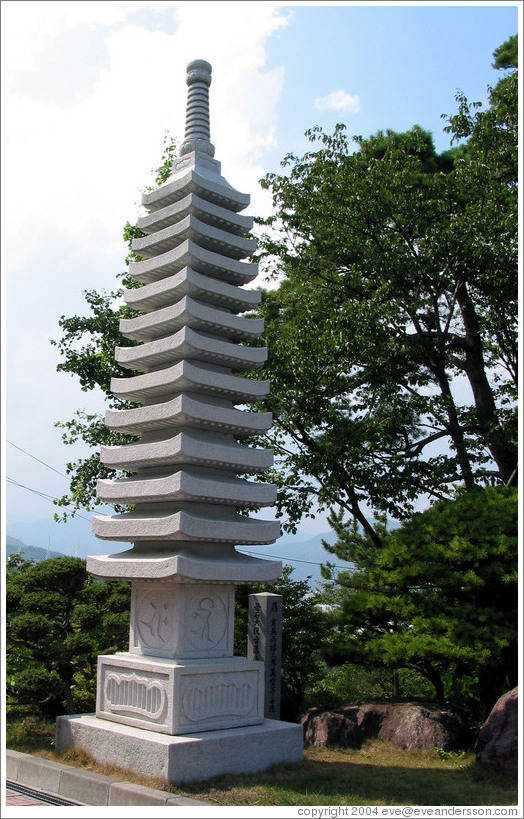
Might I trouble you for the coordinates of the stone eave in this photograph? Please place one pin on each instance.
(206, 211)
(187, 411)
(189, 343)
(189, 312)
(186, 377)
(187, 282)
(184, 566)
(189, 254)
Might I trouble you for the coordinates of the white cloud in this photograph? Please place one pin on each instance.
(89, 89)
(339, 101)
(75, 161)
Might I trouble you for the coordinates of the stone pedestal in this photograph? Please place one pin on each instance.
(192, 758)
(182, 621)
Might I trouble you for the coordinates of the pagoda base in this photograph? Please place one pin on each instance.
(180, 697)
(179, 759)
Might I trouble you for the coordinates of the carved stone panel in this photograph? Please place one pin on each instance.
(212, 696)
(174, 697)
(208, 621)
(155, 620)
(133, 694)
(182, 621)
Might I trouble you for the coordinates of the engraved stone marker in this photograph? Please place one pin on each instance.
(265, 643)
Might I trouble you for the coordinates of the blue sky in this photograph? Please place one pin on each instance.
(89, 89)
(405, 63)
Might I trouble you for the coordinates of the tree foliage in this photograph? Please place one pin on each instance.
(393, 330)
(439, 597)
(58, 619)
(507, 54)
(392, 337)
(392, 333)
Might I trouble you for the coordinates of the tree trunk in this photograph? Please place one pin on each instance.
(485, 407)
(454, 428)
(435, 679)
(396, 686)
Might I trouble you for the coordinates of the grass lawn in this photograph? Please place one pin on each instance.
(377, 774)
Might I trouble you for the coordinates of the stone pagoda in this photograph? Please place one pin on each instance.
(178, 704)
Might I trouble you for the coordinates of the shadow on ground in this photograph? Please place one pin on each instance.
(353, 783)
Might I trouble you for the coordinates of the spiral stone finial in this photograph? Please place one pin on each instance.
(197, 134)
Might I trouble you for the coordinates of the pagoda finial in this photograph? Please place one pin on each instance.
(197, 135)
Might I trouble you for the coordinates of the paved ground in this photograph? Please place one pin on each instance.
(27, 776)
(20, 795)
(16, 799)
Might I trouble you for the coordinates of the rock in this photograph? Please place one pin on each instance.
(406, 725)
(410, 726)
(325, 728)
(371, 717)
(497, 742)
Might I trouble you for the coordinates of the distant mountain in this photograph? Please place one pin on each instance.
(47, 537)
(15, 545)
(305, 553)
(302, 551)
(73, 538)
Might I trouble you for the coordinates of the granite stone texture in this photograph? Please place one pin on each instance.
(179, 697)
(192, 758)
(178, 704)
(186, 470)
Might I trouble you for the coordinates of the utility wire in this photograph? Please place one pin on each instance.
(43, 495)
(36, 459)
(255, 554)
(50, 497)
(35, 491)
(290, 559)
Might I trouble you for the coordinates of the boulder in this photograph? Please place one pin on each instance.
(406, 725)
(324, 728)
(410, 726)
(497, 742)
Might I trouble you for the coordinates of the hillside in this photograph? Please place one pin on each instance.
(303, 551)
(73, 538)
(36, 553)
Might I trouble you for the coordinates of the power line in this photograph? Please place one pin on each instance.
(254, 554)
(50, 497)
(35, 491)
(36, 459)
(291, 559)
(42, 495)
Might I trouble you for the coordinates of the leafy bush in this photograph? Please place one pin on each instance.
(58, 619)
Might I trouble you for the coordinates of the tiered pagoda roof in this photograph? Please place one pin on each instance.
(188, 484)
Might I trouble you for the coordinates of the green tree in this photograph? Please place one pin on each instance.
(393, 330)
(397, 302)
(58, 619)
(507, 54)
(439, 597)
